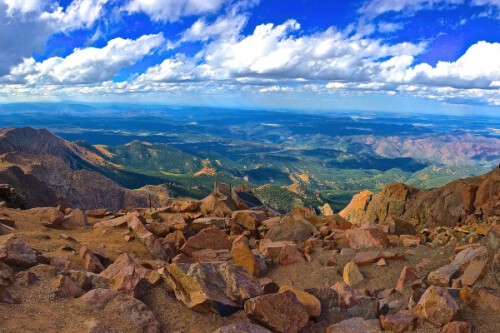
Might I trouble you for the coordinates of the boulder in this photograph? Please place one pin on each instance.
(6, 275)
(217, 287)
(457, 327)
(366, 237)
(355, 325)
(291, 229)
(242, 328)
(367, 258)
(125, 274)
(400, 322)
(273, 249)
(211, 238)
(474, 271)
(153, 244)
(353, 303)
(310, 302)
(437, 306)
(65, 287)
(244, 257)
(352, 275)
(121, 221)
(481, 298)
(14, 251)
(208, 222)
(49, 216)
(6, 297)
(76, 219)
(248, 219)
(409, 240)
(289, 255)
(407, 276)
(132, 311)
(90, 261)
(280, 312)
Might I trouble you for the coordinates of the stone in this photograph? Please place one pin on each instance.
(443, 275)
(87, 280)
(176, 239)
(296, 230)
(159, 229)
(209, 255)
(437, 306)
(6, 275)
(381, 262)
(407, 276)
(290, 255)
(367, 258)
(6, 297)
(280, 312)
(26, 278)
(90, 261)
(65, 287)
(16, 252)
(243, 257)
(76, 219)
(49, 216)
(211, 238)
(366, 237)
(355, 325)
(212, 287)
(132, 311)
(481, 298)
(347, 252)
(125, 274)
(153, 244)
(268, 286)
(273, 249)
(248, 219)
(400, 322)
(457, 327)
(331, 261)
(352, 275)
(121, 221)
(242, 328)
(409, 240)
(310, 302)
(474, 271)
(208, 222)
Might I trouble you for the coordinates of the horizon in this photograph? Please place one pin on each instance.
(441, 57)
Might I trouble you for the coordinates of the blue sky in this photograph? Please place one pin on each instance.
(394, 55)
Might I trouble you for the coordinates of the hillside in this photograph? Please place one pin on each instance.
(229, 264)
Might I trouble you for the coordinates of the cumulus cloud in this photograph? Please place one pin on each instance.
(173, 10)
(87, 65)
(26, 25)
(224, 26)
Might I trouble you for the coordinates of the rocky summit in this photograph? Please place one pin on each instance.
(402, 260)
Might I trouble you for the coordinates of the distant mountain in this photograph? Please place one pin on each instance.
(48, 170)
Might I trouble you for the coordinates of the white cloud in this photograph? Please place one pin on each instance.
(25, 25)
(224, 26)
(486, 2)
(88, 65)
(386, 27)
(374, 8)
(173, 10)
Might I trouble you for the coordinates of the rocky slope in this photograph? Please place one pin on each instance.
(215, 265)
(49, 171)
(462, 201)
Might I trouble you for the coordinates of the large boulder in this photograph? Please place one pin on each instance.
(211, 238)
(437, 306)
(366, 237)
(125, 275)
(131, 311)
(217, 287)
(146, 237)
(48, 216)
(90, 261)
(16, 252)
(291, 229)
(280, 312)
(76, 219)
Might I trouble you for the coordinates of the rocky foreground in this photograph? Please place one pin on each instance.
(217, 266)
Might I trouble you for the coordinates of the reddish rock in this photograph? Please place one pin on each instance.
(125, 274)
(153, 244)
(76, 219)
(409, 240)
(121, 221)
(248, 219)
(243, 257)
(176, 239)
(457, 327)
(400, 322)
(291, 229)
(242, 328)
(481, 298)
(209, 222)
(14, 251)
(211, 238)
(268, 286)
(217, 287)
(26, 278)
(474, 271)
(290, 255)
(273, 249)
(49, 216)
(381, 262)
(437, 306)
(209, 255)
(6, 297)
(355, 325)
(6, 275)
(407, 276)
(310, 302)
(366, 237)
(65, 287)
(367, 258)
(130, 310)
(443, 275)
(91, 262)
(280, 312)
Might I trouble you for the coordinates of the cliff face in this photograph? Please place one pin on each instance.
(463, 200)
(49, 171)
